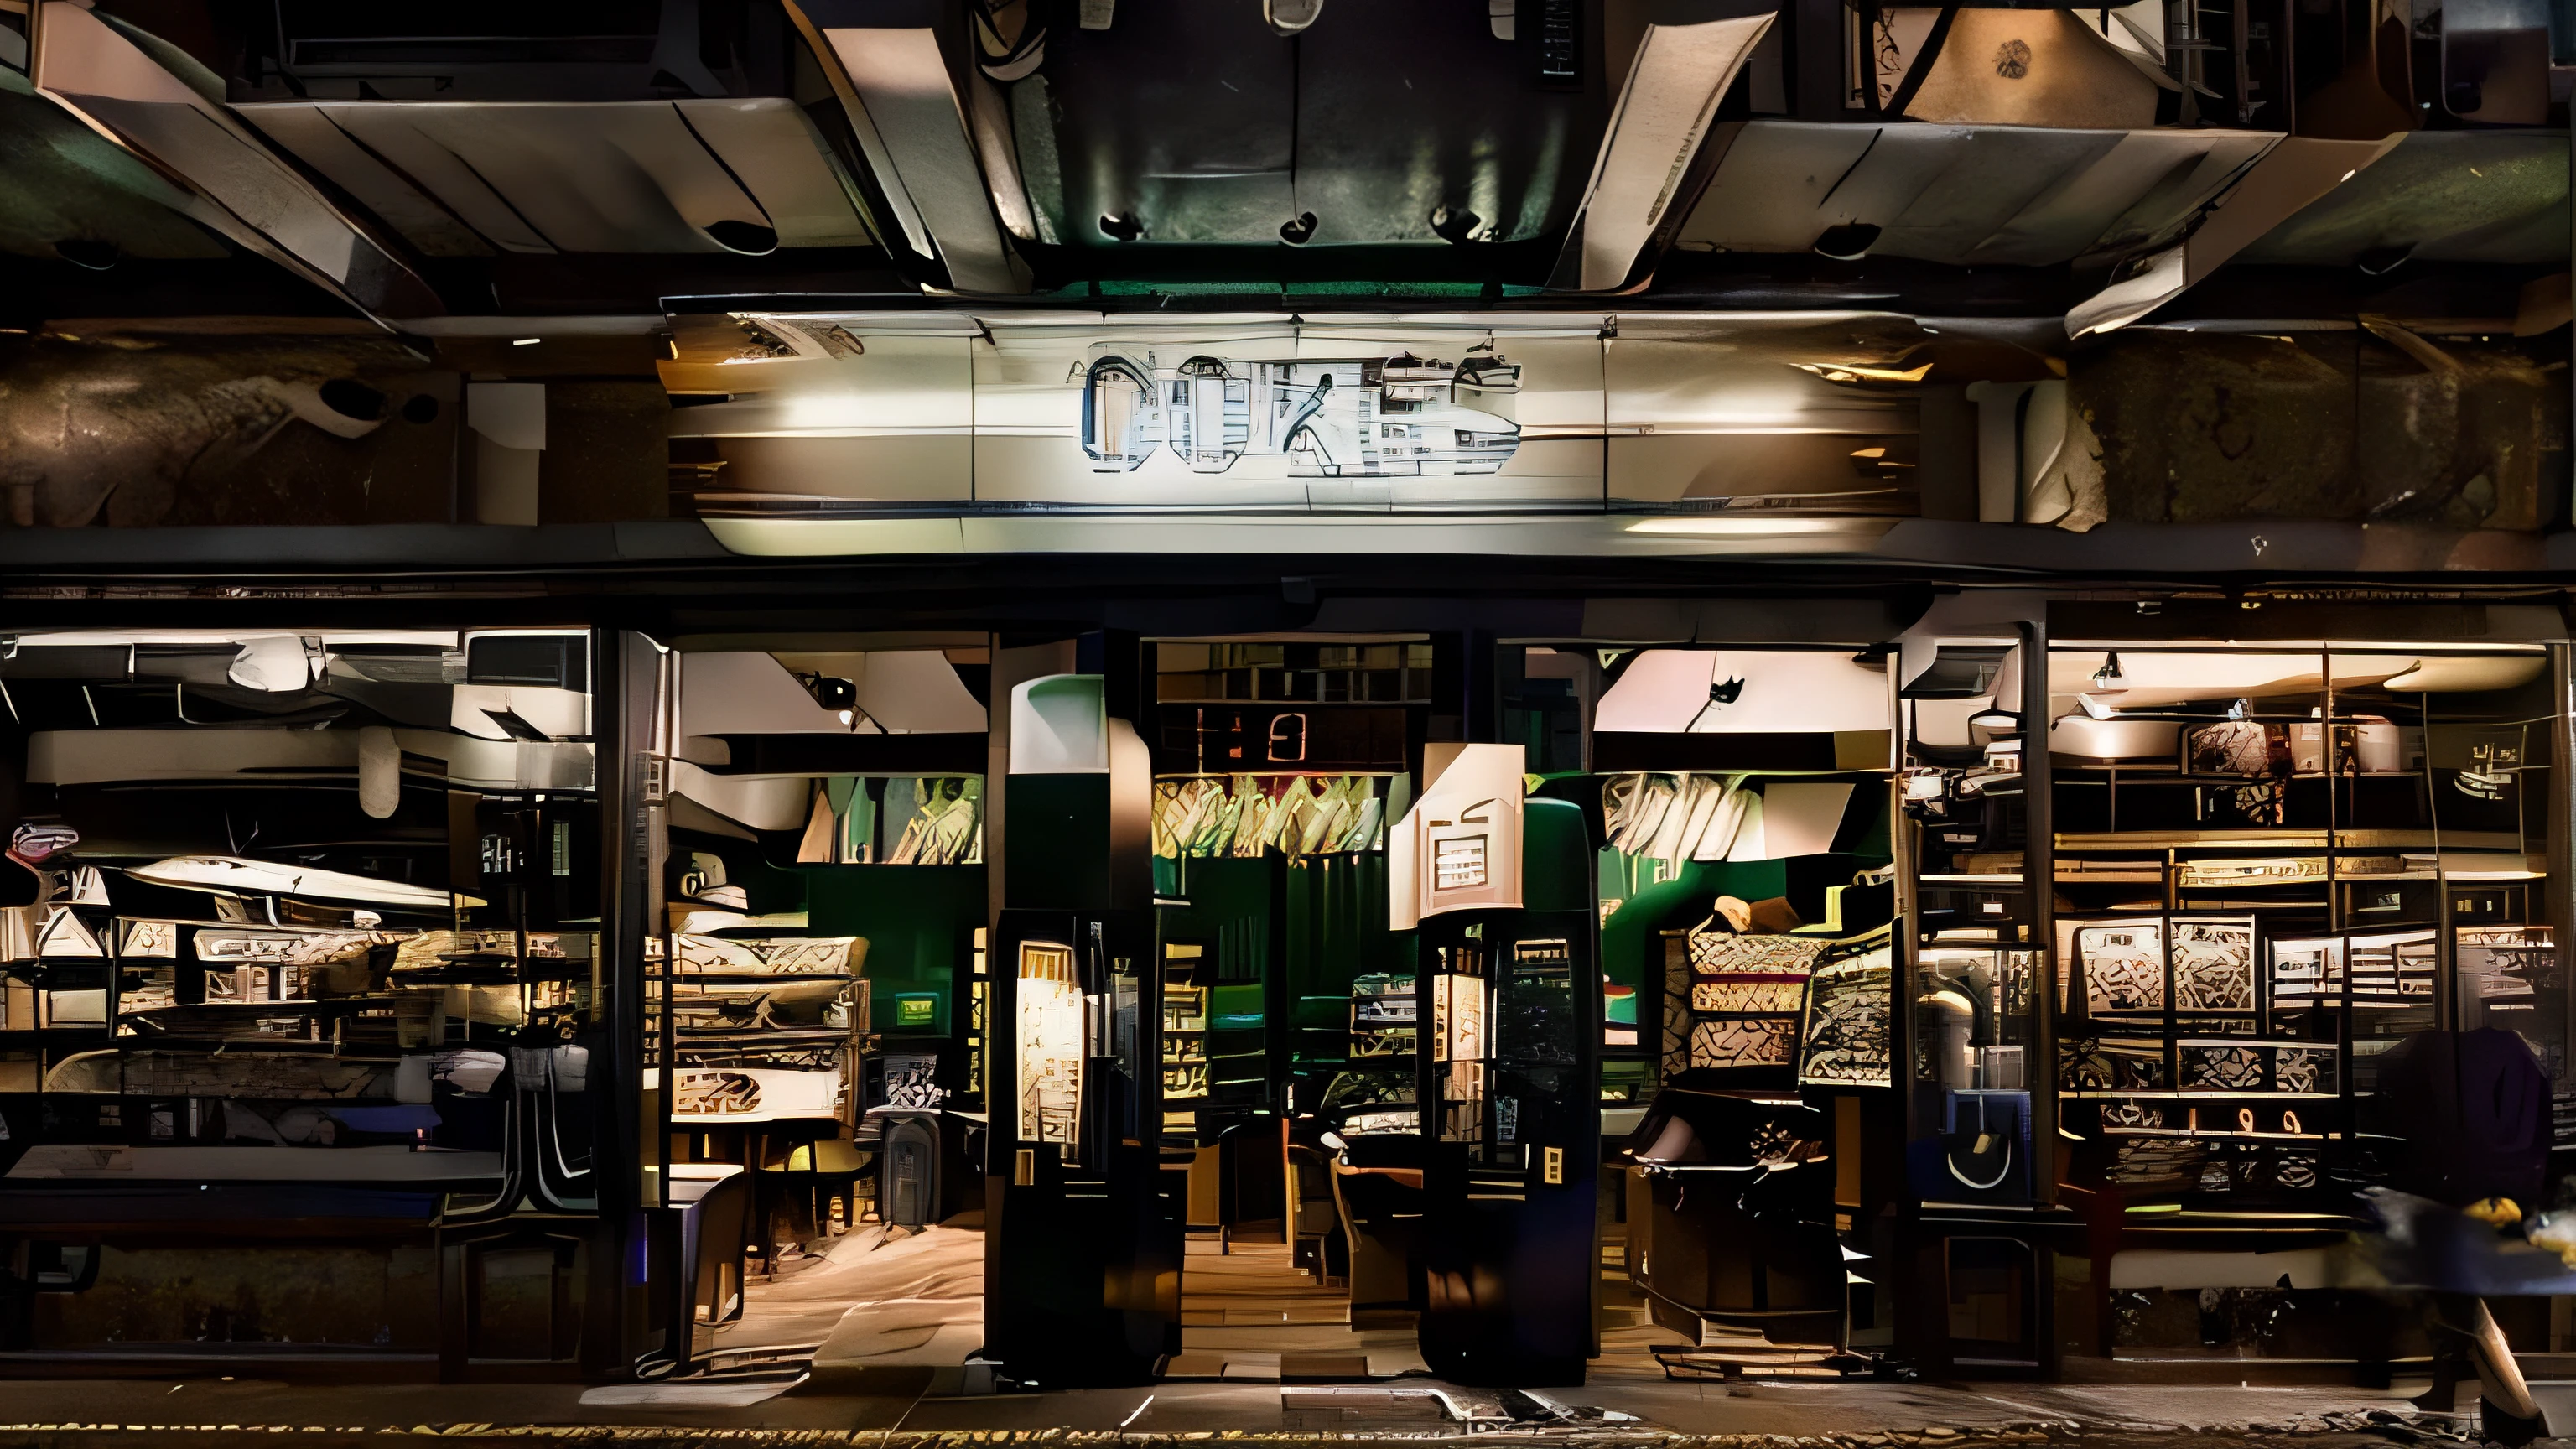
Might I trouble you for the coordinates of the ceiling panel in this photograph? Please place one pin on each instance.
(1962, 195)
(392, 151)
(2455, 196)
(319, 141)
(1181, 115)
(1402, 109)
(775, 152)
(61, 181)
(646, 176)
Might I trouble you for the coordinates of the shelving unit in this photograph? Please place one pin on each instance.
(1384, 1020)
(1185, 1023)
(779, 1030)
(1383, 673)
(766, 1028)
(2345, 896)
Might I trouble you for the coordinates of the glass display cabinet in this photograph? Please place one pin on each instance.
(1979, 1133)
(2278, 865)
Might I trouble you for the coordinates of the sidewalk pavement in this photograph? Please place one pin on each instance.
(1776, 1414)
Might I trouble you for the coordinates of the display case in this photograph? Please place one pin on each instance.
(766, 1028)
(1733, 999)
(1979, 1225)
(1502, 1046)
(771, 1011)
(288, 903)
(2276, 866)
(2274, 862)
(1052, 1046)
(1970, 1078)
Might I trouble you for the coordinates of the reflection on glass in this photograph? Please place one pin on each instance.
(1051, 1044)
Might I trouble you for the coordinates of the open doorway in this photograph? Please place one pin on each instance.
(814, 1036)
(1288, 1045)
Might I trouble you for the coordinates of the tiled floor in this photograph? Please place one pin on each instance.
(909, 1302)
(1627, 1334)
(1247, 1315)
(1265, 1350)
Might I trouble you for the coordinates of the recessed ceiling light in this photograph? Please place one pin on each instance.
(525, 341)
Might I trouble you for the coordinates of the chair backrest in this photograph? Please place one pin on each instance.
(1315, 1210)
(908, 1172)
(1207, 1182)
(1342, 1209)
(724, 1231)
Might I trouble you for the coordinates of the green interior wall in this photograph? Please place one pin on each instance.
(1555, 853)
(1631, 948)
(919, 920)
(1229, 909)
(1231, 912)
(1301, 929)
(1630, 945)
(1336, 930)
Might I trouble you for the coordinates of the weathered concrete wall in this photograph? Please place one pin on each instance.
(133, 429)
(2455, 433)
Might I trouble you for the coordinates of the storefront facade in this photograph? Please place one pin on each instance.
(1508, 692)
(526, 971)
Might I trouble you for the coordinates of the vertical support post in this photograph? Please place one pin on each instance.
(1011, 666)
(626, 699)
(1481, 706)
(1816, 56)
(2039, 877)
(455, 1307)
(2558, 903)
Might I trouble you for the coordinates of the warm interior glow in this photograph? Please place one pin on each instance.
(1739, 527)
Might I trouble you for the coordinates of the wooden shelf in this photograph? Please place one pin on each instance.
(788, 1037)
(2229, 1135)
(2155, 774)
(2064, 877)
(2167, 1094)
(2274, 840)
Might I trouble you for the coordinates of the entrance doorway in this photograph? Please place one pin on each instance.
(814, 1030)
(1288, 1067)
